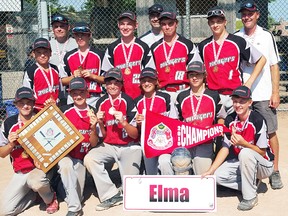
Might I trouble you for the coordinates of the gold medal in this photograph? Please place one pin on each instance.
(111, 111)
(167, 69)
(127, 71)
(24, 154)
(215, 69)
(80, 68)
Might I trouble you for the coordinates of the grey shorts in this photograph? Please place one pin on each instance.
(270, 115)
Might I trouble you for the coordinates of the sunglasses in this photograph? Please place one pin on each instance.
(81, 29)
(59, 19)
(248, 5)
(215, 13)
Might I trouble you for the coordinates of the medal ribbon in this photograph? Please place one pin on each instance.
(61, 53)
(216, 56)
(195, 112)
(127, 59)
(111, 100)
(152, 102)
(243, 126)
(51, 83)
(167, 57)
(78, 112)
(84, 57)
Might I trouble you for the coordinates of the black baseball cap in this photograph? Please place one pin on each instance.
(248, 5)
(59, 18)
(196, 66)
(77, 83)
(148, 72)
(155, 9)
(114, 73)
(127, 14)
(41, 43)
(81, 27)
(242, 92)
(167, 15)
(24, 93)
(216, 11)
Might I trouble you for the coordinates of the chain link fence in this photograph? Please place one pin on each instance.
(22, 21)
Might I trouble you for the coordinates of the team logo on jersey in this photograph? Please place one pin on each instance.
(160, 137)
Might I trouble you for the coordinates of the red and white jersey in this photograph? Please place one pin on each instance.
(92, 62)
(172, 70)
(253, 130)
(115, 133)
(209, 109)
(81, 121)
(223, 73)
(44, 84)
(139, 57)
(20, 160)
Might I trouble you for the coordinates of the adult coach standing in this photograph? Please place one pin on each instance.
(222, 54)
(171, 55)
(61, 43)
(155, 33)
(265, 90)
(129, 54)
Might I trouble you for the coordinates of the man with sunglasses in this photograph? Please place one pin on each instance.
(171, 55)
(128, 53)
(155, 33)
(222, 54)
(84, 61)
(61, 43)
(265, 90)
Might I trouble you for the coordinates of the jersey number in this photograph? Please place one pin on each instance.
(179, 75)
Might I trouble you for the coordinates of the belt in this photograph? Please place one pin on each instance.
(175, 87)
(225, 91)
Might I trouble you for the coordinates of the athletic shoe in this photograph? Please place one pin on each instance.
(275, 180)
(53, 206)
(245, 205)
(113, 201)
(78, 213)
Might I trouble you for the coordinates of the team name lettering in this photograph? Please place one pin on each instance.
(158, 193)
(85, 131)
(222, 61)
(46, 90)
(200, 117)
(189, 135)
(130, 64)
(172, 62)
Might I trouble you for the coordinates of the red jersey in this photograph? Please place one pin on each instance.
(44, 84)
(92, 62)
(21, 161)
(138, 56)
(81, 121)
(116, 134)
(172, 70)
(223, 74)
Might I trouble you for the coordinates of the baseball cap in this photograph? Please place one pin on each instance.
(41, 43)
(196, 66)
(148, 72)
(24, 92)
(216, 11)
(242, 92)
(156, 8)
(59, 18)
(168, 15)
(249, 5)
(127, 14)
(81, 27)
(78, 83)
(114, 73)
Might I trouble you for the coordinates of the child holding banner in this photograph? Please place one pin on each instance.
(71, 168)
(201, 107)
(159, 102)
(249, 142)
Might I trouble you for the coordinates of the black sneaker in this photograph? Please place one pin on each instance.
(246, 205)
(113, 201)
(275, 180)
(78, 213)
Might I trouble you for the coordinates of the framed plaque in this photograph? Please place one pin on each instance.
(49, 136)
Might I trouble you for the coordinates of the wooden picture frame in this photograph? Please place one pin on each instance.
(49, 136)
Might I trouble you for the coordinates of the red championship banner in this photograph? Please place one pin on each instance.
(161, 135)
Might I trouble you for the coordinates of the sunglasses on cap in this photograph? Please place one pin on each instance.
(81, 29)
(59, 19)
(248, 5)
(215, 13)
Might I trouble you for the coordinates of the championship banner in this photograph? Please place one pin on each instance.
(161, 134)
